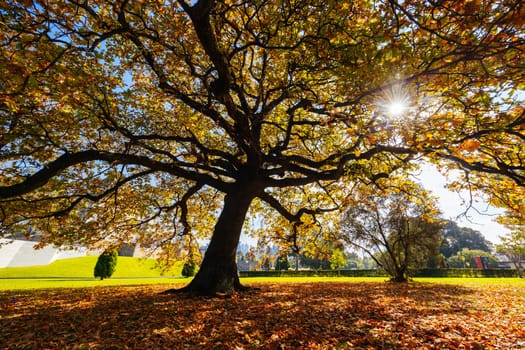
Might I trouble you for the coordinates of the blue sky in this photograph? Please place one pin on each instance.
(482, 218)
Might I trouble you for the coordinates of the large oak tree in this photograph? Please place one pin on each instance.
(163, 121)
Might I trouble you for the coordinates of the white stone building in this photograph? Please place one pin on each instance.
(18, 252)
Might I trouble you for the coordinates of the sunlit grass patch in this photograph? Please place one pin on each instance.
(83, 282)
(78, 272)
(475, 282)
(311, 279)
(83, 267)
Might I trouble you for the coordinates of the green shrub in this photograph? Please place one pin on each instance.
(106, 264)
(189, 269)
(282, 262)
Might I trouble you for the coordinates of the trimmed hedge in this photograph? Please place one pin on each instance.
(379, 273)
(466, 273)
(314, 273)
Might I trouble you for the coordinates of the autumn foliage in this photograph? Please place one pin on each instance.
(166, 122)
(278, 316)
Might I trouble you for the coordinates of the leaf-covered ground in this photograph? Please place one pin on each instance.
(278, 316)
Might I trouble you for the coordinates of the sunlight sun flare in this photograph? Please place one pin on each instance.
(396, 108)
(394, 101)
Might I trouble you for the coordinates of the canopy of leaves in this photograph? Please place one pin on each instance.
(133, 120)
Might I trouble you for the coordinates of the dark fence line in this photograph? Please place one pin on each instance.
(456, 272)
(313, 273)
(380, 273)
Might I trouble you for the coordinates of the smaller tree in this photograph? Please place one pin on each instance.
(314, 261)
(398, 226)
(355, 261)
(189, 269)
(252, 259)
(192, 260)
(282, 262)
(106, 264)
(266, 258)
(337, 259)
(266, 263)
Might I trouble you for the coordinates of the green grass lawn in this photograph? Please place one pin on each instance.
(78, 272)
(476, 281)
(83, 267)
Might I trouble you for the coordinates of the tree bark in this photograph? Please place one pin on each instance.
(400, 275)
(218, 271)
(399, 278)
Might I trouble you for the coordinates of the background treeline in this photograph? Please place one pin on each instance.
(458, 247)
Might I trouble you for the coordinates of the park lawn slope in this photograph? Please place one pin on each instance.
(84, 266)
(78, 273)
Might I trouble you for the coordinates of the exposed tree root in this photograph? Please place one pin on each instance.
(191, 291)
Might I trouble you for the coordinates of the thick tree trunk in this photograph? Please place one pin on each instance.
(399, 275)
(218, 271)
(399, 279)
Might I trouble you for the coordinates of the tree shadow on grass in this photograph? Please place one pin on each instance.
(278, 316)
